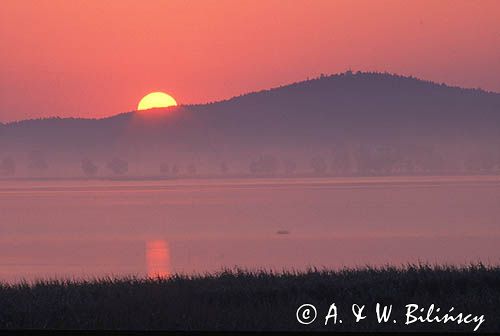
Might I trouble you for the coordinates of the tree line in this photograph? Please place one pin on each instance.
(344, 161)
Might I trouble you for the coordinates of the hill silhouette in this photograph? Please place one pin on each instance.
(340, 111)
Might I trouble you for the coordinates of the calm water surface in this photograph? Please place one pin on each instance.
(94, 228)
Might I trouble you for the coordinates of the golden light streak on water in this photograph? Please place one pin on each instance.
(157, 258)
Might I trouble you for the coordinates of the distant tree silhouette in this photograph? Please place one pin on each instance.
(191, 169)
(8, 166)
(290, 166)
(224, 168)
(341, 162)
(164, 169)
(363, 160)
(378, 159)
(37, 162)
(480, 162)
(319, 165)
(118, 166)
(264, 165)
(89, 168)
(175, 170)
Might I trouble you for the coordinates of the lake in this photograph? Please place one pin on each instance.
(75, 229)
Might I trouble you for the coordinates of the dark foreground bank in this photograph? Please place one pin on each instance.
(239, 300)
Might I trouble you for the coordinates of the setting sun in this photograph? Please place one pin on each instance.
(156, 99)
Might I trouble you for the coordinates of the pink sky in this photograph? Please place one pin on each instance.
(95, 58)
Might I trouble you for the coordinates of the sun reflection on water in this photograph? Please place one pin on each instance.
(157, 258)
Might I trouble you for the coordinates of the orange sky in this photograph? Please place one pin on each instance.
(98, 58)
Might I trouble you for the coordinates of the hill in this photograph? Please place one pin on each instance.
(350, 114)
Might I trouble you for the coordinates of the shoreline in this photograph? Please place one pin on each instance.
(242, 300)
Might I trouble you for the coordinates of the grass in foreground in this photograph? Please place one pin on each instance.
(244, 300)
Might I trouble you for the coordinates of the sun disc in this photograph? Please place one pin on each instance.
(156, 100)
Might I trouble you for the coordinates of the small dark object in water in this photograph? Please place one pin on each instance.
(282, 232)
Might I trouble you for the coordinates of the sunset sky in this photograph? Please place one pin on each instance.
(98, 58)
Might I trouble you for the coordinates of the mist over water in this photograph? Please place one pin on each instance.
(157, 228)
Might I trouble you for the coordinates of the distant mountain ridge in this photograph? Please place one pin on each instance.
(345, 110)
(314, 83)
